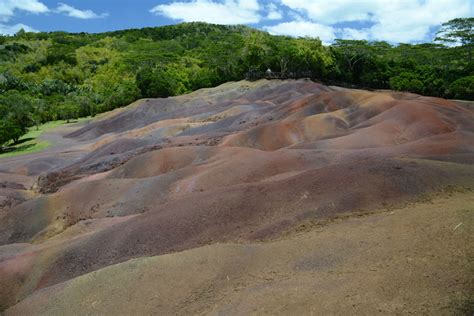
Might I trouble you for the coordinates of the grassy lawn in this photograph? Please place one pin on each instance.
(29, 142)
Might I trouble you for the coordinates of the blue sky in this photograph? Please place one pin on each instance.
(394, 21)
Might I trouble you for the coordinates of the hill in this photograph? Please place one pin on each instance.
(264, 194)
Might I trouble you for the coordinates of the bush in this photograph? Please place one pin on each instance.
(463, 88)
(406, 81)
(162, 82)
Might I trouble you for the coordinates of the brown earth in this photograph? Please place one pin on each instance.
(415, 260)
(244, 163)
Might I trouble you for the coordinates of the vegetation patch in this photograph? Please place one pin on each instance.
(30, 142)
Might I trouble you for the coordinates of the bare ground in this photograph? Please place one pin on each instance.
(246, 198)
(413, 260)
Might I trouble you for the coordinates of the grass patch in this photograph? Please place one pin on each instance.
(29, 142)
(25, 148)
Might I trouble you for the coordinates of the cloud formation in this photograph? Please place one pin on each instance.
(12, 29)
(303, 28)
(8, 8)
(274, 13)
(76, 13)
(389, 20)
(393, 21)
(227, 12)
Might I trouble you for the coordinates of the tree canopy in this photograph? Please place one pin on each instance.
(458, 31)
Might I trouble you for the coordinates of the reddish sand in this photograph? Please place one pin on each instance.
(242, 162)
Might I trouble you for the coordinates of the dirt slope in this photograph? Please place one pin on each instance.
(245, 162)
(411, 260)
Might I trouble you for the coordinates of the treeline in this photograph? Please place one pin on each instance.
(58, 75)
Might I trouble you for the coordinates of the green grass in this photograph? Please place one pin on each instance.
(29, 143)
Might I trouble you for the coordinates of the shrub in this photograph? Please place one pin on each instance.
(463, 88)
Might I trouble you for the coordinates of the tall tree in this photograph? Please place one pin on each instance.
(460, 30)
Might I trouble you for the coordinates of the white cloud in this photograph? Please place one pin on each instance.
(273, 12)
(248, 4)
(226, 12)
(330, 12)
(8, 8)
(410, 22)
(12, 29)
(303, 28)
(393, 21)
(76, 13)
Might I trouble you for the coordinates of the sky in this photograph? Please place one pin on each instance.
(395, 21)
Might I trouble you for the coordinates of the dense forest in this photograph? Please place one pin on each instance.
(58, 75)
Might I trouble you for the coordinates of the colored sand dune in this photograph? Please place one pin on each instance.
(245, 198)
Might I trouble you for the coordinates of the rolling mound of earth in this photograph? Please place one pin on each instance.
(248, 198)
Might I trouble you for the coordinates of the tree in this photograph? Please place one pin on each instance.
(256, 50)
(15, 114)
(407, 81)
(460, 30)
(351, 56)
(68, 111)
(354, 51)
(162, 81)
(312, 56)
(9, 131)
(463, 88)
(20, 33)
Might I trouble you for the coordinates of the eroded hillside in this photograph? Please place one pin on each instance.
(207, 182)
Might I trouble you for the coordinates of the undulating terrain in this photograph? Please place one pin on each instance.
(251, 197)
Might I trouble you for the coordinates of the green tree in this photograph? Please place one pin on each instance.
(68, 111)
(463, 88)
(256, 50)
(312, 56)
(9, 131)
(351, 56)
(407, 81)
(460, 30)
(162, 81)
(15, 113)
